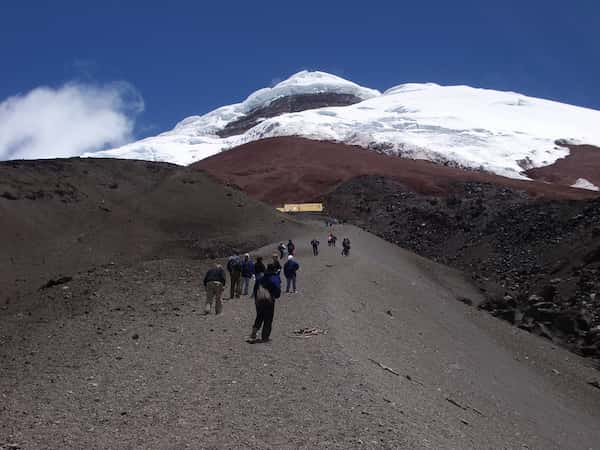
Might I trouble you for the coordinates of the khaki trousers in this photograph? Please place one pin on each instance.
(214, 290)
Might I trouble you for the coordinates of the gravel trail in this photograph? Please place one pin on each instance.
(122, 358)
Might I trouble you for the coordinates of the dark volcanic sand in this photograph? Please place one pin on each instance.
(537, 260)
(121, 358)
(116, 354)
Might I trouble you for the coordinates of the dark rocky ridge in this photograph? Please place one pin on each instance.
(537, 260)
(290, 104)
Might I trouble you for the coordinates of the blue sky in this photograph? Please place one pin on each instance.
(188, 57)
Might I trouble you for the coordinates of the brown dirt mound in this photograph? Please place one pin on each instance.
(58, 217)
(293, 169)
(582, 162)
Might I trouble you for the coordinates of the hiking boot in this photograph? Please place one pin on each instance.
(252, 337)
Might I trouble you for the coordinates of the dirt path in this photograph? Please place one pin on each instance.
(122, 358)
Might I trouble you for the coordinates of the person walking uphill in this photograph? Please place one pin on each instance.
(234, 267)
(315, 246)
(259, 269)
(274, 265)
(266, 291)
(281, 248)
(247, 273)
(290, 248)
(346, 247)
(214, 282)
(289, 270)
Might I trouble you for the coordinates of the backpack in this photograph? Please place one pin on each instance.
(272, 283)
(234, 265)
(263, 296)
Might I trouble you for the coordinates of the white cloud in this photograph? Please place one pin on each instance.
(67, 121)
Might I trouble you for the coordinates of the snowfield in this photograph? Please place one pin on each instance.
(500, 132)
(582, 183)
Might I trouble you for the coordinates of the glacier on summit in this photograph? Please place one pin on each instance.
(499, 132)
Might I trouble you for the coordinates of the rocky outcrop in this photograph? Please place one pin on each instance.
(290, 104)
(582, 163)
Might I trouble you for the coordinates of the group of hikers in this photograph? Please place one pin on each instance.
(267, 283)
(331, 240)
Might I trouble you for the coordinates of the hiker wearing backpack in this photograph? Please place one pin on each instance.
(315, 246)
(290, 248)
(289, 270)
(346, 247)
(274, 265)
(281, 248)
(214, 282)
(247, 267)
(266, 291)
(234, 267)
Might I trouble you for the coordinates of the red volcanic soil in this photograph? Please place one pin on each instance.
(292, 169)
(582, 162)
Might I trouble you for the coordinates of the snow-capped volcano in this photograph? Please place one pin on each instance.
(500, 132)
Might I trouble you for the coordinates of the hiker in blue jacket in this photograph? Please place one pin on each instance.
(289, 270)
(266, 290)
(247, 273)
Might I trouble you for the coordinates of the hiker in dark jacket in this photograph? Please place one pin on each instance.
(259, 267)
(259, 270)
(234, 267)
(274, 266)
(247, 273)
(290, 248)
(214, 282)
(289, 270)
(266, 291)
(346, 247)
(315, 246)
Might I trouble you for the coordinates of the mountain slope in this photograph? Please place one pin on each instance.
(129, 350)
(292, 169)
(505, 133)
(59, 217)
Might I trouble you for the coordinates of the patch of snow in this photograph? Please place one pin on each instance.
(582, 183)
(499, 132)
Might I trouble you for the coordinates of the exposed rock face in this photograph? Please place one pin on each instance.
(583, 162)
(290, 104)
(537, 261)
